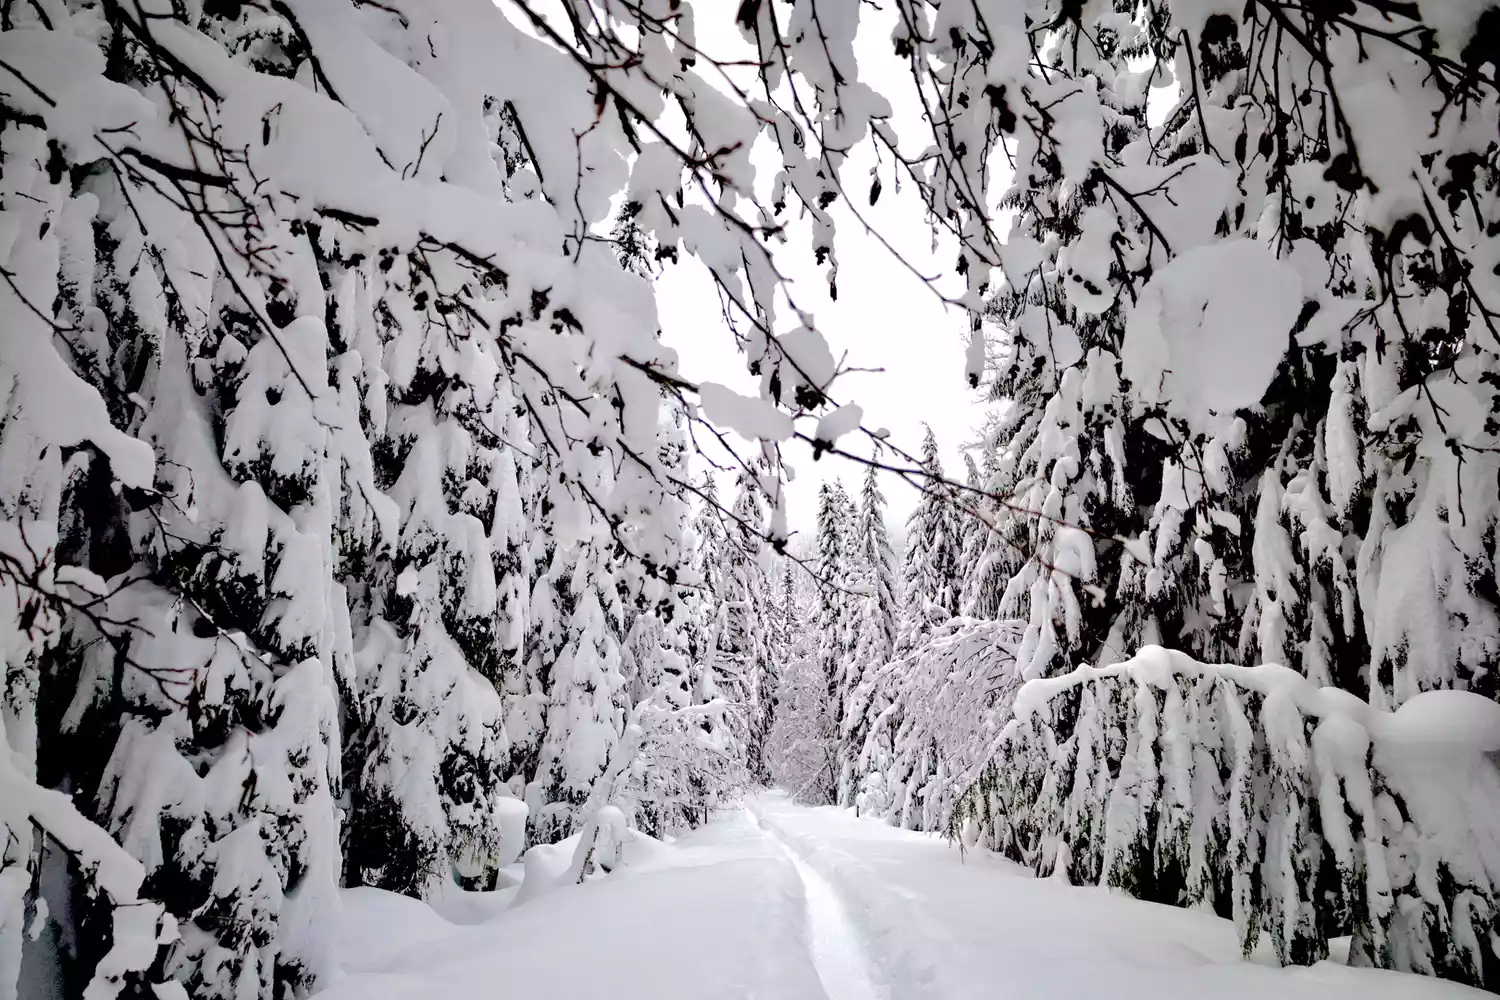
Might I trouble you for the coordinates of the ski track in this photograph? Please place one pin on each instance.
(833, 941)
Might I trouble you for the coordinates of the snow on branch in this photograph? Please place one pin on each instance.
(1302, 811)
(937, 712)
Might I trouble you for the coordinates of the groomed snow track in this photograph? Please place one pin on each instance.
(834, 942)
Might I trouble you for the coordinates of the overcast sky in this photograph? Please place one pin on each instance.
(885, 316)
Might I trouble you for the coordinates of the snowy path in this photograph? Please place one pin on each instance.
(947, 927)
(833, 942)
(782, 902)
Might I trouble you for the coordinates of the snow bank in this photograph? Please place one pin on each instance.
(716, 916)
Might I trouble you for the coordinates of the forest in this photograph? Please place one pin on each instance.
(361, 530)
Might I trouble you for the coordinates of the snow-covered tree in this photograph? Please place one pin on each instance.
(750, 612)
(1251, 790)
(333, 484)
(277, 366)
(837, 600)
(586, 704)
(945, 703)
(879, 611)
(1232, 352)
(930, 570)
(804, 743)
(876, 615)
(722, 645)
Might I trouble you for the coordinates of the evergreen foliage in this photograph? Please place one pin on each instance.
(930, 567)
(346, 489)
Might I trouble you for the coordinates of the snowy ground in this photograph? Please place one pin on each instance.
(786, 903)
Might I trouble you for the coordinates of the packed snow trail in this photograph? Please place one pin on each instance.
(833, 942)
(782, 902)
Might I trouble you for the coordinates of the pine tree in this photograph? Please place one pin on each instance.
(723, 656)
(877, 636)
(930, 570)
(428, 717)
(987, 556)
(839, 574)
(837, 608)
(748, 636)
(876, 615)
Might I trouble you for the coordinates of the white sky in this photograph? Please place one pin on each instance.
(885, 316)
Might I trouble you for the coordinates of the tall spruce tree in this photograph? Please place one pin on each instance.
(988, 558)
(876, 614)
(879, 611)
(930, 567)
(837, 605)
(749, 633)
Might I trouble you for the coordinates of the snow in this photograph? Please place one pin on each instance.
(833, 941)
(1457, 720)
(1210, 329)
(838, 423)
(938, 923)
(779, 900)
(749, 416)
(1446, 718)
(375, 924)
(716, 915)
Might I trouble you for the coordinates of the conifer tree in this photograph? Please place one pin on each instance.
(837, 612)
(879, 612)
(930, 569)
(749, 634)
(987, 556)
(836, 579)
(876, 615)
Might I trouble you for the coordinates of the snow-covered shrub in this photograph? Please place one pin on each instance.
(1301, 811)
(686, 764)
(944, 704)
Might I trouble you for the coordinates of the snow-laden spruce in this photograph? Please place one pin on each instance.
(876, 617)
(837, 614)
(1301, 811)
(930, 573)
(344, 535)
(333, 478)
